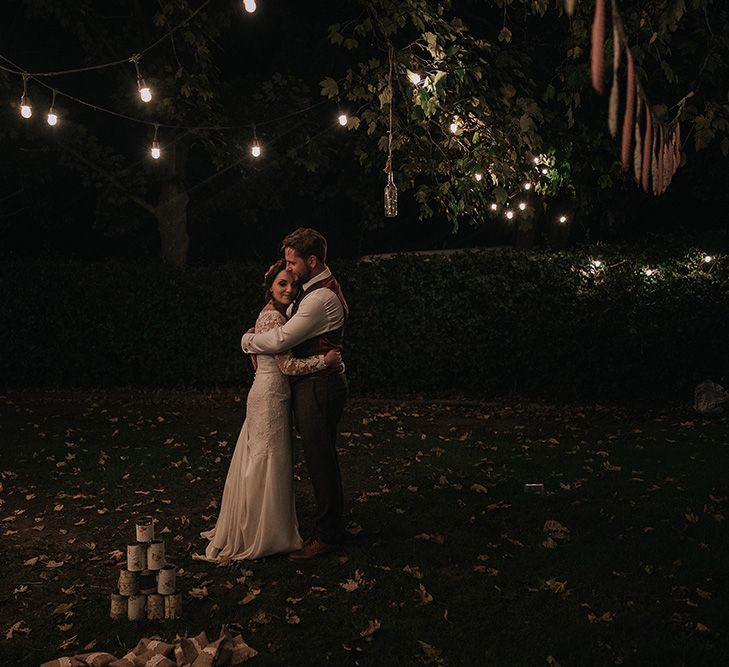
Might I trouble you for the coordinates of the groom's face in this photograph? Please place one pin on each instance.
(297, 265)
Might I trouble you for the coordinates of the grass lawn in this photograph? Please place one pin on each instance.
(623, 560)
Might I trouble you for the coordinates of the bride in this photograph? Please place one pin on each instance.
(257, 514)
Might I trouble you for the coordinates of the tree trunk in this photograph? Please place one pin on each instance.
(171, 210)
(171, 214)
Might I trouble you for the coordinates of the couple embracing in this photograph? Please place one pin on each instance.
(297, 343)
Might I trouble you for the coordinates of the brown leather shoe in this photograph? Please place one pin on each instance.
(313, 549)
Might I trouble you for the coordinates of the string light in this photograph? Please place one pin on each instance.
(494, 206)
(535, 160)
(414, 78)
(155, 151)
(708, 259)
(596, 263)
(145, 92)
(256, 147)
(478, 176)
(52, 115)
(454, 127)
(509, 215)
(249, 5)
(545, 171)
(522, 206)
(26, 111)
(527, 186)
(342, 119)
(563, 218)
(648, 271)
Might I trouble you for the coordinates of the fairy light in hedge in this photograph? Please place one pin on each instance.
(26, 110)
(596, 263)
(342, 118)
(478, 176)
(545, 171)
(535, 160)
(454, 127)
(562, 219)
(52, 118)
(494, 207)
(249, 6)
(522, 206)
(145, 93)
(527, 186)
(155, 151)
(648, 271)
(509, 214)
(708, 259)
(414, 78)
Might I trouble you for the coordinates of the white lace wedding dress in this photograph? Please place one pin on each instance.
(257, 514)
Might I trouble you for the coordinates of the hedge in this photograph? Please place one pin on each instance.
(478, 323)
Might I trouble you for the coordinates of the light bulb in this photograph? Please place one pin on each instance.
(522, 206)
(414, 78)
(255, 150)
(545, 171)
(26, 111)
(343, 119)
(156, 151)
(563, 218)
(509, 215)
(145, 93)
(494, 207)
(52, 117)
(454, 127)
(478, 176)
(527, 186)
(596, 263)
(536, 160)
(648, 272)
(708, 259)
(250, 6)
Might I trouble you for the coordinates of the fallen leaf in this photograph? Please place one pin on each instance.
(432, 653)
(372, 627)
(413, 571)
(199, 593)
(252, 594)
(20, 627)
(425, 597)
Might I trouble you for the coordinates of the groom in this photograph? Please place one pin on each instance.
(316, 325)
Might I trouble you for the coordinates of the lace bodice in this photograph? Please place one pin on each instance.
(288, 364)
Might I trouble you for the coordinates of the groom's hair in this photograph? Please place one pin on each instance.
(306, 242)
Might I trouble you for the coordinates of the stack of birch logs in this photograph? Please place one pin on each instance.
(147, 586)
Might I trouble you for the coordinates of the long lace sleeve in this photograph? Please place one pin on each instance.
(288, 364)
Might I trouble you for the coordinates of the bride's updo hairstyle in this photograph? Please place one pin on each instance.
(273, 270)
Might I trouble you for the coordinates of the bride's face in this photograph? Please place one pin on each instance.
(283, 290)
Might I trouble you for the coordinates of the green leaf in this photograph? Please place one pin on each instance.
(329, 88)
(505, 35)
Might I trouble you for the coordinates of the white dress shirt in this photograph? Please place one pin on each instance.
(318, 312)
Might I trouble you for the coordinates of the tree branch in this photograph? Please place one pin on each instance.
(112, 180)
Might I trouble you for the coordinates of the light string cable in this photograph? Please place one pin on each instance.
(113, 63)
(150, 123)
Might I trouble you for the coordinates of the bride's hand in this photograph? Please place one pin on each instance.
(333, 359)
